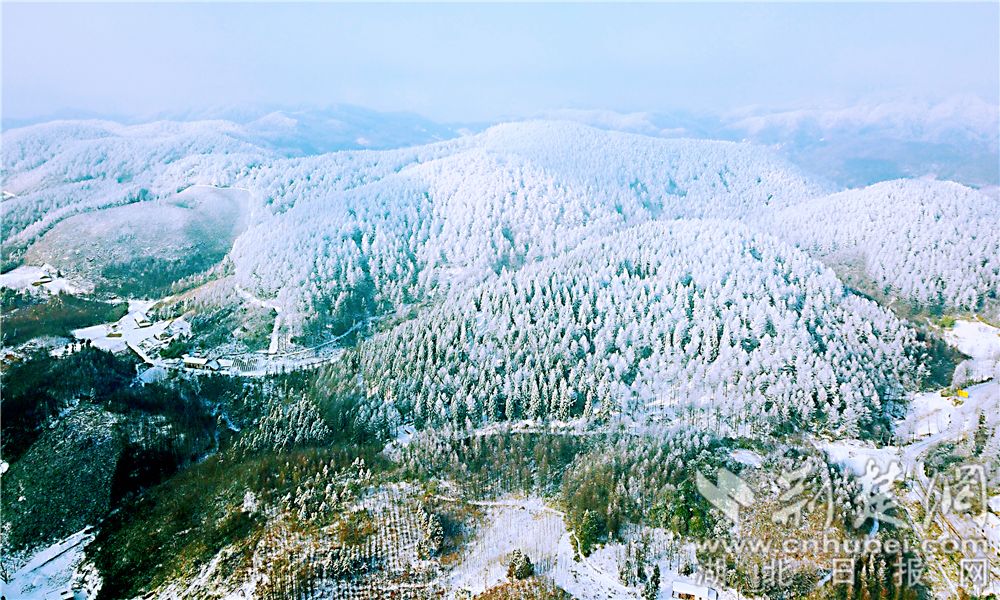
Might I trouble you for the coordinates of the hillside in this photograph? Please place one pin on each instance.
(404, 222)
(143, 247)
(57, 170)
(338, 238)
(699, 316)
(418, 360)
(934, 245)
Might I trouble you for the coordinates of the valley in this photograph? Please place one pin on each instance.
(497, 364)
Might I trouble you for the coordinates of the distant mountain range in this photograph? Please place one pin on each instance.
(955, 139)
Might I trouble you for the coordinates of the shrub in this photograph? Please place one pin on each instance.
(520, 566)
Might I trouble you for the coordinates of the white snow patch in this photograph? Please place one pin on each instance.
(153, 375)
(934, 418)
(982, 343)
(747, 457)
(540, 532)
(117, 336)
(51, 572)
(526, 525)
(856, 456)
(405, 434)
(975, 338)
(25, 277)
(930, 414)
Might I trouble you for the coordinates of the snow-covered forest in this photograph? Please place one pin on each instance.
(540, 310)
(344, 236)
(550, 269)
(698, 314)
(934, 243)
(500, 301)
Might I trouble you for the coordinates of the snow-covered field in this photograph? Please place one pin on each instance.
(855, 456)
(975, 338)
(52, 572)
(747, 457)
(982, 343)
(25, 277)
(540, 532)
(528, 525)
(117, 336)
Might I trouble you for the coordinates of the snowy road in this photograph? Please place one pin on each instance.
(938, 420)
(272, 347)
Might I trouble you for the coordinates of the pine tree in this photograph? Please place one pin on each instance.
(652, 587)
(432, 536)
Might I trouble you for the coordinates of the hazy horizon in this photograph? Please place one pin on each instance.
(481, 63)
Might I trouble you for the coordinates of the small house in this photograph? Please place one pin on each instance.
(142, 322)
(195, 362)
(225, 363)
(687, 591)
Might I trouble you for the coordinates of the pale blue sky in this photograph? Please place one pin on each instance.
(483, 62)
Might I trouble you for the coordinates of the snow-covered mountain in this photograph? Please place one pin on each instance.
(596, 314)
(393, 227)
(967, 117)
(298, 132)
(59, 169)
(932, 242)
(292, 130)
(338, 237)
(739, 322)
